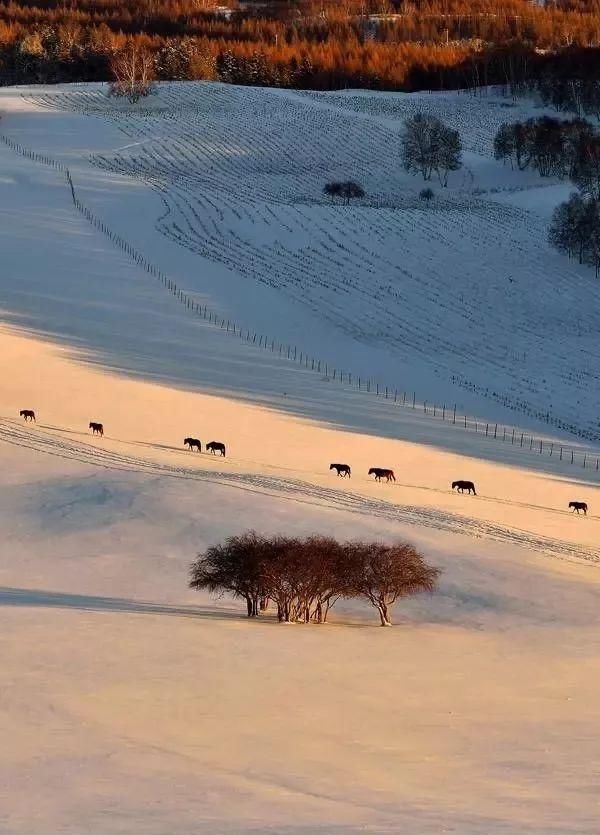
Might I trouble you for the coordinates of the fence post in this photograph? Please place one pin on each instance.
(572, 459)
(487, 426)
(454, 415)
(414, 398)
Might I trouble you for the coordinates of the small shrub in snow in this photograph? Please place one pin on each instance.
(348, 190)
(426, 194)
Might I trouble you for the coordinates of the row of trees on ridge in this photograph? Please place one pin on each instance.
(552, 147)
(305, 576)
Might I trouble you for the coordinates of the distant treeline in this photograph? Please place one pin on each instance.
(321, 44)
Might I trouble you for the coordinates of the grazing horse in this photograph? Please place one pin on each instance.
(579, 506)
(343, 470)
(193, 442)
(382, 473)
(97, 428)
(215, 446)
(461, 486)
(27, 414)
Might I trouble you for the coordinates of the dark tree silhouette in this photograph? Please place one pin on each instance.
(332, 190)
(428, 145)
(383, 574)
(348, 190)
(351, 191)
(237, 567)
(305, 577)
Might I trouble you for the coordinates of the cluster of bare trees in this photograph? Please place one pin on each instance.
(348, 190)
(575, 229)
(428, 145)
(562, 148)
(132, 70)
(553, 147)
(572, 95)
(305, 577)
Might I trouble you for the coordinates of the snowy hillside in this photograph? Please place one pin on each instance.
(464, 294)
(130, 704)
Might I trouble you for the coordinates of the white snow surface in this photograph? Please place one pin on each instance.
(129, 704)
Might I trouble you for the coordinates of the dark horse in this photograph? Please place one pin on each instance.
(464, 485)
(579, 506)
(193, 442)
(28, 414)
(343, 470)
(215, 446)
(382, 473)
(97, 428)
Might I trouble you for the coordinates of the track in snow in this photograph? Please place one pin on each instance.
(292, 489)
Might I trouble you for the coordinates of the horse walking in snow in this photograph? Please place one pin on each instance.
(216, 446)
(27, 414)
(193, 443)
(461, 486)
(97, 428)
(578, 506)
(343, 470)
(380, 473)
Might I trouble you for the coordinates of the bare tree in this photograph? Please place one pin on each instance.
(237, 567)
(332, 190)
(133, 72)
(351, 191)
(382, 574)
(428, 145)
(586, 169)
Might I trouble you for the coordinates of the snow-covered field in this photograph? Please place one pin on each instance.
(129, 704)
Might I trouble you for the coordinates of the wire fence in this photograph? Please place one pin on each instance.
(447, 412)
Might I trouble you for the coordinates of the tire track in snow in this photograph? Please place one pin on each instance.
(296, 490)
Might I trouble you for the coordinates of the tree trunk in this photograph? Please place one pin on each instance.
(383, 614)
(249, 606)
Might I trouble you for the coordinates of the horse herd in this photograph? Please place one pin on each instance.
(343, 470)
(98, 429)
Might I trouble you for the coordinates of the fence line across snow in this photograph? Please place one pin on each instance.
(445, 412)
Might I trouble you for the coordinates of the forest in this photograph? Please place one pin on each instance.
(320, 44)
